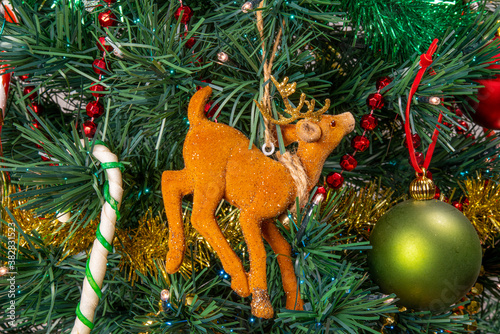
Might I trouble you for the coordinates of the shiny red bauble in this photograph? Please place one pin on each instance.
(375, 101)
(369, 122)
(186, 13)
(360, 143)
(107, 19)
(37, 109)
(94, 109)
(96, 88)
(487, 110)
(100, 66)
(348, 163)
(334, 180)
(89, 129)
(27, 91)
(103, 45)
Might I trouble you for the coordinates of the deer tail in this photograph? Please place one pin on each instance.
(196, 109)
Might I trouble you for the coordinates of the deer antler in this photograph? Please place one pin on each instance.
(285, 89)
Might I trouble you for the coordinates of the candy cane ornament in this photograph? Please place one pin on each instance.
(8, 13)
(96, 262)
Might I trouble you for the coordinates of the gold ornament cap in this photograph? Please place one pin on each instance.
(422, 188)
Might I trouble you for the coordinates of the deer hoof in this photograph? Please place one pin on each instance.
(239, 283)
(261, 305)
(294, 303)
(174, 262)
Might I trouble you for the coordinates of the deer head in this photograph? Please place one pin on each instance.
(316, 134)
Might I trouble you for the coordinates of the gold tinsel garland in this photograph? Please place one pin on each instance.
(483, 208)
(144, 248)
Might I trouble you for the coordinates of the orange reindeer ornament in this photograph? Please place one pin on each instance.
(219, 165)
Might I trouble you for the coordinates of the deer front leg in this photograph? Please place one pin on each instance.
(283, 250)
(174, 185)
(205, 201)
(261, 305)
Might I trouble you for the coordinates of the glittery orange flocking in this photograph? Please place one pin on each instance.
(219, 164)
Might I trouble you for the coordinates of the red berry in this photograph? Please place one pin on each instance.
(89, 129)
(459, 112)
(383, 82)
(99, 66)
(208, 81)
(375, 101)
(348, 163)
(190, 42)
(103, 45)
(466, 201)
(107, 19)
(334, 180)
(360, 143)
(27, 90)
(37, 109)
(415, 138)
(97, 88)
(35, 124)
(420, 158)
(94, 109)
(186, 13)
(24, 77)
(109, 2)
(211, 112)
(462, 128)
(438, 193)
(447, 124)
(470, 135)
(369, 122)
(458, 205)
(44, 158)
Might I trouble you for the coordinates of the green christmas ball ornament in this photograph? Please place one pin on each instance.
(426, 252)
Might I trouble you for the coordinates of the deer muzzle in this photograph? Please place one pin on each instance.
(349, 121)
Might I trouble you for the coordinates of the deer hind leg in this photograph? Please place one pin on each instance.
(261, 305)
(174, 185)
(283, 250)
(207, 197)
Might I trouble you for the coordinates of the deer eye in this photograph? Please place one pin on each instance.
(333, 124)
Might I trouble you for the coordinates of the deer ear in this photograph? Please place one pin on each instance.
(308, 131)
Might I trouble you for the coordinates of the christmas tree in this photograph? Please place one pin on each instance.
(100, 97)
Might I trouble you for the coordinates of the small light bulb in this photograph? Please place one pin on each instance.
(434, 100)
(247, 6)
(3, 271)
(222, 56)
(165, 295)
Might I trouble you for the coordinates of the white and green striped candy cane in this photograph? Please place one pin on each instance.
(97, 260)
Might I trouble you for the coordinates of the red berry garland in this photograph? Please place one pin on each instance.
(185, 13)
(360, 143)
(95, 108)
